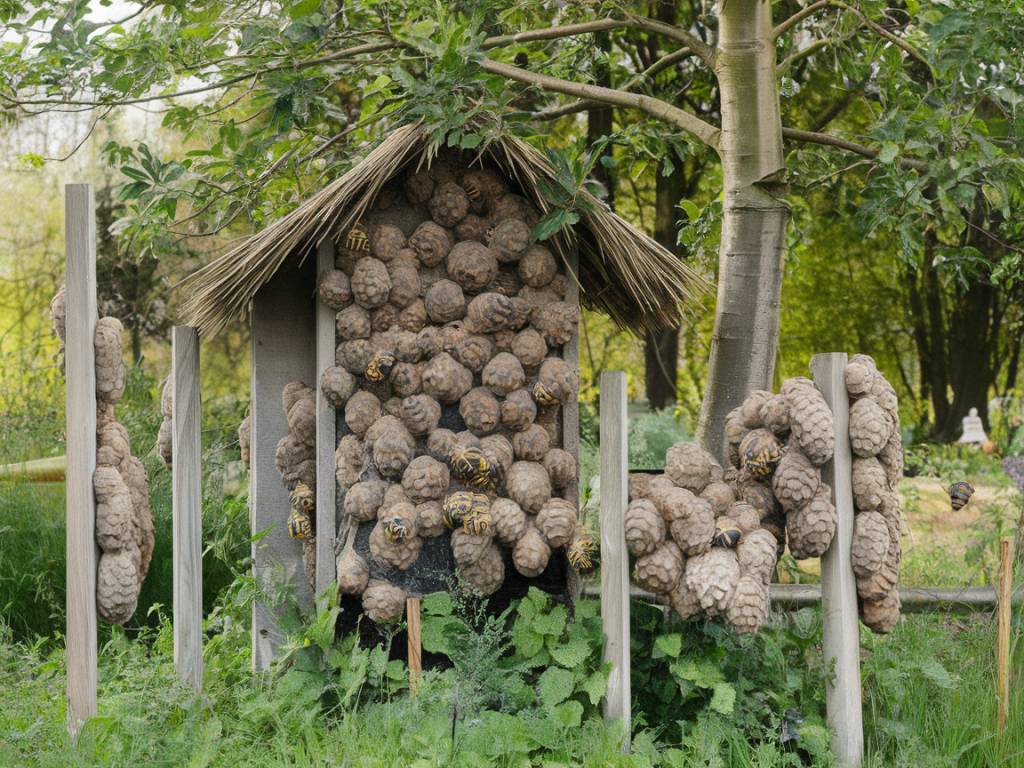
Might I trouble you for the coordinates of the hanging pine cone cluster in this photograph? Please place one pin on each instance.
(448, 378)
(124, 520)
(877, 469)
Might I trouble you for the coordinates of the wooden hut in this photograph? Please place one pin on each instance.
(411, 340)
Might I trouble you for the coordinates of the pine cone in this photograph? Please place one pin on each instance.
(498, 451)
(537, 268)
(870, 484)
(690, 466)
(440, 443)
(531, 444)
(860, 374)
(370, 282)
(506, 282)
(335, 289)
(713, 576)
(480, 411)
(400, 554)
(110, 370)
(472, 265)
(694, 529)
(361, 411)
(891, 459)
(883, 581)
(468, 547)
(811, 423)
(425, 479)
(750, 410)
(117, 586)
(810, 528)
(557, 382)
(518, 410)
(354, 355)
(529, 347)
(531, 553)
(472, 227)
(556, 321)
(720, 496)
(363, 499)
(512, 206)
(509, 521)
(561, 467)
(684, 600)
(660, 570)
(382, 601)
(503, 374)
(420, 414)
(759, 496)
(474, 352)
(114, 514)
(750, 606)
(338, 385)
(353, 572)
(349, 461)
(774, 415)
(528, 485)
(509, 239)
(413, 317)
(490, 312)
(870, 544)
(483, 186)
(405, 282)
(870, 428)
(487, 573)
(795, 480)
(444, 302)
(386, 240)
(734, 434)
(393, 451)
(745, 516)
(645, 528)
(448, 205)
(757, 554)
(295, 461)
(302, 419)
(446, 380)
(556, 521)
(430, 519)
(881, 616)
(418, 187)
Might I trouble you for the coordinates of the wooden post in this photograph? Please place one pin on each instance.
(415, 645)
(614, 558)
(1003, 631)
(187, 507)
(838, 586)
(326, 568)
(80, 409)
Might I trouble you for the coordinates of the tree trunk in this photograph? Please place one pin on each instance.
(661, 349)
(599, 120)
(754, 217)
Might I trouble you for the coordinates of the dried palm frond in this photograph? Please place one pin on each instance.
(622, 272)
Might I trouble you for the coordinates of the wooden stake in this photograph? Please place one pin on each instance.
(412, 621)
(1003, 631)
(838, 586)
(187, 507)
(80, 408)
(614, 558)
(326, 569)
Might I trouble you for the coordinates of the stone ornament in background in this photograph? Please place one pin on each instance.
(708, 538)
(458, 432)
(877, 469)
(124, 519)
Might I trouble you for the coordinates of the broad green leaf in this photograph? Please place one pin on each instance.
(669, 645)
(570, 654)
(551, 623)
(888, 152)
(723, 699)
(555, 686)
(595, 686)
(569, 714)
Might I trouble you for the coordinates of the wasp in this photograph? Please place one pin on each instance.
(357, 239)
(396, 529)
(471, 466)
(300, 525)
(581, 553)
(478, 521)
(727, 535)
(473, 190)
(470, 510)
(302, 498)
(543, 395)
(380, 366)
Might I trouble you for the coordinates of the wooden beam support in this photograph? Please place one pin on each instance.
(841, 629)
(187, 507)
(614, 557)
(326, 521)
(80, 408)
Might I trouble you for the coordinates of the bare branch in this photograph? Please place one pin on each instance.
(810, 137)
(803, 53)
(799, 16)
(632, 84)
(704, 51)
(690, 123)
(554, 33)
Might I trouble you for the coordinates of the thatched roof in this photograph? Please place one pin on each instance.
(622, 271)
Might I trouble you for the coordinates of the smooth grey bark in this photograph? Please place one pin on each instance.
(754, 219)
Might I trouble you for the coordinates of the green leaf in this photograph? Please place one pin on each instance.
(555, 686)
(691, 210)
(934, 671)
(552, 623)
(669, 645)
(437, 604)
(571, 654)
(888, 152)
(569, 714)
(723, 699)
(595, 685)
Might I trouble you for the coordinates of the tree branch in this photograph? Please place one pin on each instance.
(810, 137)
(704, 51)
(690, 123)
(799, 16)
(633, 83)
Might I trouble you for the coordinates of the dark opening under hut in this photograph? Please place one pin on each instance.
(414, 373)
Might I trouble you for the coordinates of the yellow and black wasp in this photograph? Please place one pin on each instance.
(300, 525)
(380, 366)
(727, 535)
(760, 453)
(470, 510)
(357, 240)
(473, 188)
(471, 466)
(582, 552)
(302, 498)
(396, 529)
(543, 395)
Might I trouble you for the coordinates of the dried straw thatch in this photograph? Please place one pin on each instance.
(622, 271)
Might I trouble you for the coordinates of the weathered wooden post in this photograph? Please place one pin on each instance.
(838, 586)
(80, 406)
(414, 643)
(1003, 631)
(614, 558)
(187, 507)
(325, 433)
